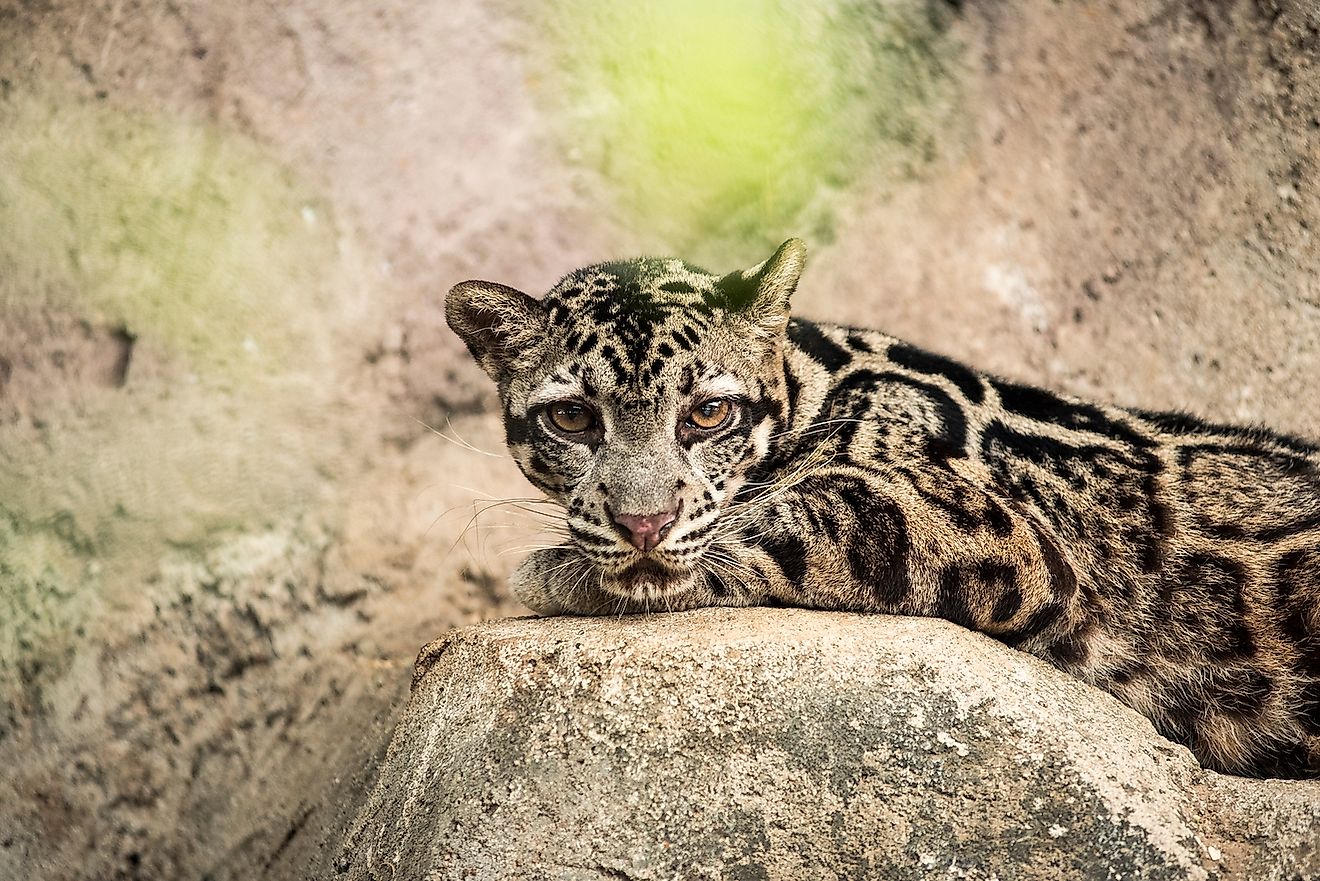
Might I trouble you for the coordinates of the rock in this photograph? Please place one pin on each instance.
(790, 744)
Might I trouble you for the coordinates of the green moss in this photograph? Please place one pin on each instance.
(173, 230)
(44, 603)
(233, 281)
(723, 123)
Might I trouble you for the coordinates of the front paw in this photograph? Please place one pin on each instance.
(558, 581)
(531, 584)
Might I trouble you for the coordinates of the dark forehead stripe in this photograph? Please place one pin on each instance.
(633, 301)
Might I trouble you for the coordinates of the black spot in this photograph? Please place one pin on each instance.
(1070, 650)
(878, 546)
(1063, 580)
(686, 381)
(858, 342)
(1000, 522)
(809, 338)
(1147, 543)
(1308, 706)
(1006, 606)
(1026, 400)
(611, 357)
(515, 429)
(1129, 673)
(1297, 603)
(794, 387)
(678, 287)
(665, 350)
(996, 577)
(951, 599)
(1045, 406)
(790, 554)
(603, 312)
(589, 343)
(1161, 518)
(921, 361)
(763, 408)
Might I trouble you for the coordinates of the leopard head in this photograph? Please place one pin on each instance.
(639, 395)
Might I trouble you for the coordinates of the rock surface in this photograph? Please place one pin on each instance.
(767, 744)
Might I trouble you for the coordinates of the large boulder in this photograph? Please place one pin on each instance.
(778, 743)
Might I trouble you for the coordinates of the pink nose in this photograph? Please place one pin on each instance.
(645, 531)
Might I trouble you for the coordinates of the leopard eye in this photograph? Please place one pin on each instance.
(710, 415)
(570, 417)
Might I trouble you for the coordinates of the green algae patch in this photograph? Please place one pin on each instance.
(721, 125)
(176, 231)
(222, 292)
(46, 599)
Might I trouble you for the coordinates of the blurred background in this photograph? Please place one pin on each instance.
(244, 467)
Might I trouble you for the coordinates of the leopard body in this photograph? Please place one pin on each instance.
(1170, 561)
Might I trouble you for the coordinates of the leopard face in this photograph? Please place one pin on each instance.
(639, 395)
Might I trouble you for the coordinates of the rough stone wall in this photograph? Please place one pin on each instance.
(1131, 216)
(224, 527)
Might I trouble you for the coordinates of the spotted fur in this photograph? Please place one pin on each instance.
(1173, 562)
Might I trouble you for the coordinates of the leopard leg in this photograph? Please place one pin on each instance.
(856, 539)
(560, 581)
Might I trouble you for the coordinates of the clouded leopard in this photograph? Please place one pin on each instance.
(709, 449)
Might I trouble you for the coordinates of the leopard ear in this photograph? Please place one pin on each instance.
(501, 326)
(761, 294)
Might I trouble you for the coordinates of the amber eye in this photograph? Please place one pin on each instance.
(710, 414)
(570, 417)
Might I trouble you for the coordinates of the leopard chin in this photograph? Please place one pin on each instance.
(647, 579)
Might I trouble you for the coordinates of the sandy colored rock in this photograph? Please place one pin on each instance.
(789, 744)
